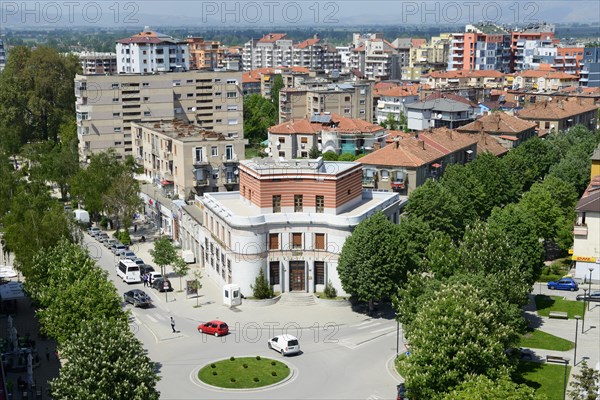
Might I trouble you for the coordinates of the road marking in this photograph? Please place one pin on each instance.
(151, 319)
(382, 329)
(370, 326)
(362, 323)
(160, 316)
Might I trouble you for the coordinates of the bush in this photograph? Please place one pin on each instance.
(329, 291)
(215, 373)
(261, 288)
(232, 380)
(231, 358)
(273, 363)
(255, 379)
(258, 358)
(213, 366)
(273, 373)
(125, 238)
(245, 365)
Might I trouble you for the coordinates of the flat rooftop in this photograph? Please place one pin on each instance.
(270, 166)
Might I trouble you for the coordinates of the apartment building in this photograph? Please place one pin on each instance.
(325, 132)
(289, 220)
(351, 100)
(276, 49)
(488, 79)
(150, 51)
(568, 60)
(3, 55)
(375, 57)
(428, 57)
(510, 131)
(440, 110)
(481, 47)
(97, 63)
(394, 100)
(186, 160)
(543, 79)
(539, 34)
(561, 113)
(107, 104)
(205, 54)
(261, 80)
(409, 160)
(589, 75)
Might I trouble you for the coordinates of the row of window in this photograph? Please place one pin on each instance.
(299, 203)
(319, 241)
(214, 152)
(176, 82)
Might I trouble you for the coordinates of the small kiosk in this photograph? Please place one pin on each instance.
(232, 295)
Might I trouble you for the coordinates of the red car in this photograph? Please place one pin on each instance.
(214, 327)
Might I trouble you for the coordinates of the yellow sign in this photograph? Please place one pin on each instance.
(570, 251)
(584, 259)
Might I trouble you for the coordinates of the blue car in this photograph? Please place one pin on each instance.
(564, 284)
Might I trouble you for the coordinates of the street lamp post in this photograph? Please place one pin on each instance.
(590, 286)
(397, 337)
(566, 362)
(583, 318)
(577, 317)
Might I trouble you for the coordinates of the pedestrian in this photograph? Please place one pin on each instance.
(173, 324)
(47, 354)
(145, 279)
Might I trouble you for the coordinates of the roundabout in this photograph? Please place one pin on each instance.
(244, 373)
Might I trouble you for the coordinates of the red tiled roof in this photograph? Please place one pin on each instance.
(536, 73)
(255, 74)
(418, 42)
(272, 37)
(450, 96)
(498, 122)
(488, 144)
(147, 37)
(400, 91)
(342, 124)
(412, 152)
(558, 109)
(307, 43)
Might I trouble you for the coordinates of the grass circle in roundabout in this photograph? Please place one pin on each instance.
(244, 372)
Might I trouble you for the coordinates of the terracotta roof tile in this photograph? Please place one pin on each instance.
(272, 37)
(558, 109)
(465, 74)
(307, 43)
(536, 73)
(342, 125)
(498, 123)
(400, 91)
(488, 144)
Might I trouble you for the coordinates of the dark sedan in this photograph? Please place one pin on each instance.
(137, 297)
(162, 284)
(594, 296)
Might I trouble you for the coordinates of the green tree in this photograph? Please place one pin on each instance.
(314, 153)
(259, 115)
(481, 387)
(196, 283)
(330, 156)
(181, 268)
(105, 362)
(261, 288)
(275, 89)
(372, 262)
(122, 199)
(163, 253)
(586, 384)
(37, 92)
(544, 210)
(347, 157)
(390, 122)
(455, 334)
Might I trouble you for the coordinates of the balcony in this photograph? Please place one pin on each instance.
(368, 182)
(200, 182)
(580, 230)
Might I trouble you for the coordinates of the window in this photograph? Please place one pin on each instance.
(320, 204)
(190, 94)
(214, 151)
(232, 108)
(117, 129)
(217, 107)
(277, 203)
(116, 114)
(319, 272)
(115, 85)
(145, 84)
(347, 98)
(319, 241)
(304, 154)
(229, 152)
(177, 83)
(146, 98)
(385, 175)
(346, 111)
(274, 272)
(189, 81)
(115, 100)
(304, 140)
(147, 113)
(362, 102)
(231, 95)
(281, 140)
(198, 154)
(297, 203)
(232, 121)
(232, 81)
(273, 241)
(296, 240)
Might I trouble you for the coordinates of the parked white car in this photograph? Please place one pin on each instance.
(285, 344)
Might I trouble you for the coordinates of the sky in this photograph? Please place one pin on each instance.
(265, 13)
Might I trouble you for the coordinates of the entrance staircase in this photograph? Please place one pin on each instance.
(297, 299)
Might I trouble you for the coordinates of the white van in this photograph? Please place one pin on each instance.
(129, 271)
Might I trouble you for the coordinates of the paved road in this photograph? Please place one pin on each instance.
(343, 353)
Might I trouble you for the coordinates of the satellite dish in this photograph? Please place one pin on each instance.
(439, 116)
(236, 172)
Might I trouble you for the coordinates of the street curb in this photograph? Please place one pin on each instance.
(392, 369)
(292, 376)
